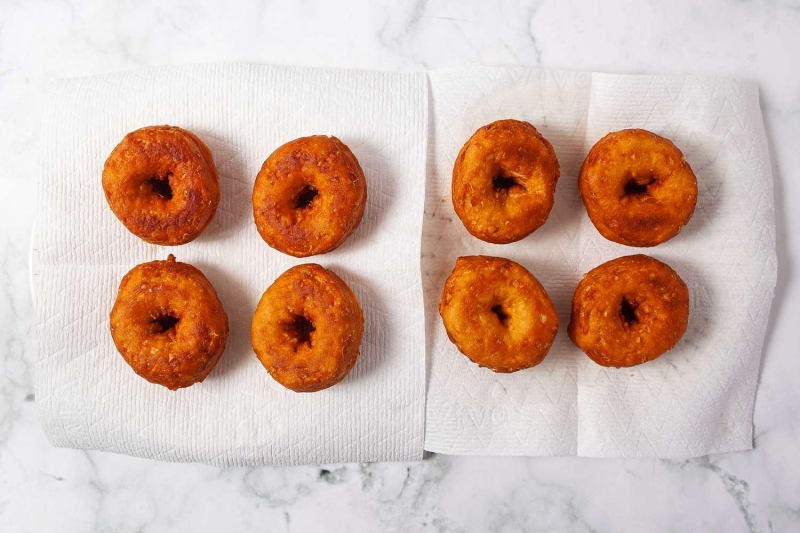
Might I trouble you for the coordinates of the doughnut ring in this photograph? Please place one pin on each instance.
(498, 314)
(168, 323)
(637, 187)
(504, 181)
(629, 311)
(307, 329)
(309, 196)
(161, 183)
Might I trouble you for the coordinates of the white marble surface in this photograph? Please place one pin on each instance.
(48, 489)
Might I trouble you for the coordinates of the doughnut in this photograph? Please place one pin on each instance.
(504, 181)
(629, 311)
(309, 196)
(307, 329)
(168, 323)
(161, 183)
(497, 313)
(637, 187)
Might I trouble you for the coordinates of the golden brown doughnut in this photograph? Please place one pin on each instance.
(637, 187)
(161, 183)
(168, 323)
(307, 329)
(309, 196)
(504, 181)
(629, 311)
(497, 313)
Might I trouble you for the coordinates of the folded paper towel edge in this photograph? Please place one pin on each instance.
(771, 222)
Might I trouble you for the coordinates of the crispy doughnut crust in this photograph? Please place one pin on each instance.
(307, 329)
(309, 196)
(637, 187)
(504, 181)
(148, 166)
(629, 311)
(497, 313)
(168, 323)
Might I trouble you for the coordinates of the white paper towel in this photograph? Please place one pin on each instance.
(89, 398)
(695, 400)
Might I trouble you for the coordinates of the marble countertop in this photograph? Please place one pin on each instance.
(47, 489)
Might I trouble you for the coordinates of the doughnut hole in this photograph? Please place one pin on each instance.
(638, 186)
(161, 186)
(303, 200)
(501, 314)
(504, 185)
(305, 197)
(165, 323)
(627, 312)
(300, 331)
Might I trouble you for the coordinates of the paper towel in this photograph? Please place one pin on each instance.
(87, 395)
(695, 400)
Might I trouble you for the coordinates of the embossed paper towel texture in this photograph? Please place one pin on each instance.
(696, 399)
(89, 398)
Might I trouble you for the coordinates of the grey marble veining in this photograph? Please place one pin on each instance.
(48, 489)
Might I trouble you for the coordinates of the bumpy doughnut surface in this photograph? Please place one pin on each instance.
(637, 187)
(307, 329)
(309, 196)
(504, 181)
(161, 183)
(168, 323)
(497, 313)
(629, 311)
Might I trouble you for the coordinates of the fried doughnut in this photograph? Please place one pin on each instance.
(637, 187)
(309, 196)
(168, 323)
(497, 313)
(504, 181)
(307, 329)
(161, 183)
(629, 311)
